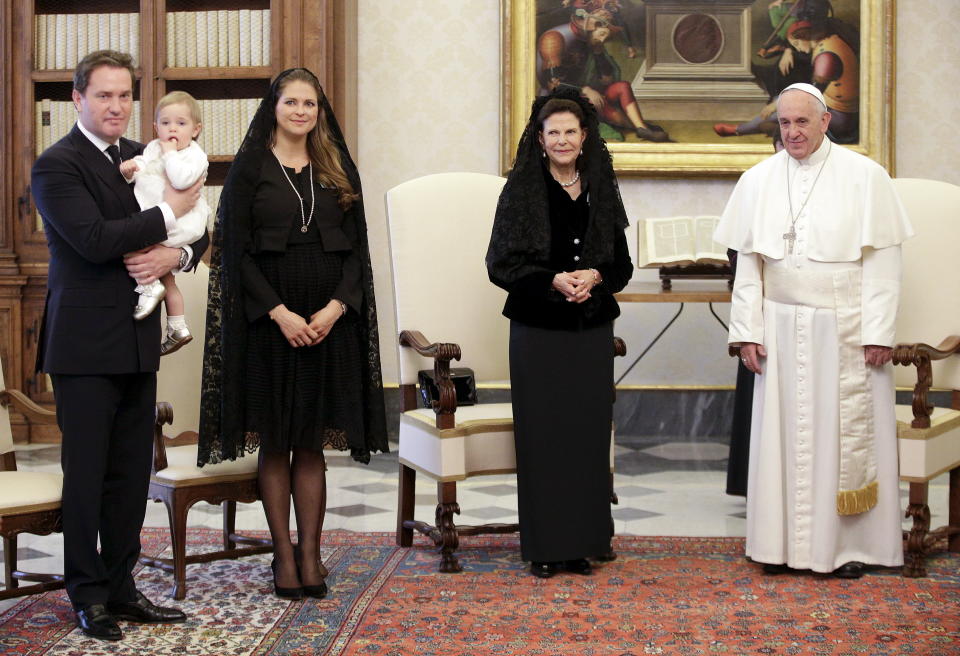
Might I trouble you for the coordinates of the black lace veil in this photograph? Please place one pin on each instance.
(520, 242)
(222, 434)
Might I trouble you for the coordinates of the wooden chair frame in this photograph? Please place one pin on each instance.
(920, 540)
(39, 522)
(180, 496)
(445, 534)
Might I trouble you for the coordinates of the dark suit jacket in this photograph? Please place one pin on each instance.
(91, 219)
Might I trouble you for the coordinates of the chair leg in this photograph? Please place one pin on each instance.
(178, 539)
(913, 565)
(10, 562)
(406, 500)
(229, 524)
(448, 540)
(953, 542)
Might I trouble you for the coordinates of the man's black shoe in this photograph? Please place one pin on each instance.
(96, 622)
(144, 611)
(851, 570)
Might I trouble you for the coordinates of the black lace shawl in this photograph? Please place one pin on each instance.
(222, 433)
(520, 242)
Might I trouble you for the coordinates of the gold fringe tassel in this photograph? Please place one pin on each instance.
(854, 502)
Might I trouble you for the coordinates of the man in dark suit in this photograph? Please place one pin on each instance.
(103, 363)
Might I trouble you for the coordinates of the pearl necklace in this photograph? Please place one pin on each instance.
(572, 182)
(304, 219)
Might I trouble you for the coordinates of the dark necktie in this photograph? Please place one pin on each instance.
(114, 152)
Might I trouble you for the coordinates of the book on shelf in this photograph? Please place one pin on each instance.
(213, 35)
(70, 39)
(59, 43)
(222, 27)
(233, 38)
(265, 32)
(256, 38)
(201, 36)
(103, 31)
(244, 37)
(679, 241)
(191, 46)
(40, 45)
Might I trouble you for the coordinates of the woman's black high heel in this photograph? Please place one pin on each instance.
(313, 591)
(284, 593)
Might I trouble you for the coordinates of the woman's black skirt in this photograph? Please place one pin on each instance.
(308, 397)
(562, 391)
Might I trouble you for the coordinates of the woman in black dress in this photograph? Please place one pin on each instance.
(291, 363)
(558, 247)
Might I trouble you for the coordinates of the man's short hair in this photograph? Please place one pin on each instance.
(96, 59)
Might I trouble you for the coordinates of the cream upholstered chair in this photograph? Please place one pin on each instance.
(928, 332)
(439, 227)
(29, 501)
(176, 480)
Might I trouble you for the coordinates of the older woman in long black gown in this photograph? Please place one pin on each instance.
(558, 247)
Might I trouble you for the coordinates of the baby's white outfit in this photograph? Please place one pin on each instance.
(182, 168)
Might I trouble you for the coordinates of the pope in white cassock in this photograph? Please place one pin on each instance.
(818, 229)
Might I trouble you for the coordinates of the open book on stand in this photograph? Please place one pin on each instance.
(682, 247)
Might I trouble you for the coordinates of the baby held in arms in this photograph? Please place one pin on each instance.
(176, 157)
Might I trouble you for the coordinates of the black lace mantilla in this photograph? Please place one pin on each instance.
(520, 241)
(222, 433)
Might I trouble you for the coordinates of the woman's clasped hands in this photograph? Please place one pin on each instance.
(298, 331)
(575, 285)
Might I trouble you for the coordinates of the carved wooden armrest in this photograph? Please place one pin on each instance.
(22, 403)
(619, 347)
(920, 355)
(442, 353)
(164, 416)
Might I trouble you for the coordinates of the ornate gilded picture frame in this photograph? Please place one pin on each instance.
(684, 86)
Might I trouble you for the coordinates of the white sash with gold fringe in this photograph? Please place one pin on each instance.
(840, 291)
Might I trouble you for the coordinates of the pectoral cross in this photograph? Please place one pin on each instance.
(790, 237)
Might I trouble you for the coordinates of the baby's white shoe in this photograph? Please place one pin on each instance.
(175, 339)
(150, 297)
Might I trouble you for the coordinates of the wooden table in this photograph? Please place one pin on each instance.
(682, 292)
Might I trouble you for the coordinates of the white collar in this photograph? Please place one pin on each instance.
(97, 141)
(816, 157)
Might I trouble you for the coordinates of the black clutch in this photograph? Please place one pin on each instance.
(463, 382)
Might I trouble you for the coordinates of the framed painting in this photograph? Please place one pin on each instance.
(686, 87)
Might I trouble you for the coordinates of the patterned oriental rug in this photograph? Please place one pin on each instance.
(661, 596)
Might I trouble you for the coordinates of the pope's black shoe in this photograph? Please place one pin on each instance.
(578, 566)
(96, 622)
(851, 570)
(774, 569)
(144, 611)
(544, 570)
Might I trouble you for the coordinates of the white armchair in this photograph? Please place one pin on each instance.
(29, 500)
(176, 481)
(439, 227)
(928, 329)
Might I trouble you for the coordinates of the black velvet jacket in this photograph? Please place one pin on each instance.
(532, 299)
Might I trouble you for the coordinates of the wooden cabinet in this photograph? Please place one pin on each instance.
(40, 42)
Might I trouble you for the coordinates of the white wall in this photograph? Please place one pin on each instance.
(429, 101)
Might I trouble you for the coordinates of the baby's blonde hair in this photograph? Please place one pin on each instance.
(180, 98)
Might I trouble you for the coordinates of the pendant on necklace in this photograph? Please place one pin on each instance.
(303, 229)
(790, 237)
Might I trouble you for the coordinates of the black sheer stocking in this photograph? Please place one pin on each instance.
(274, 480)
(310, 505)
